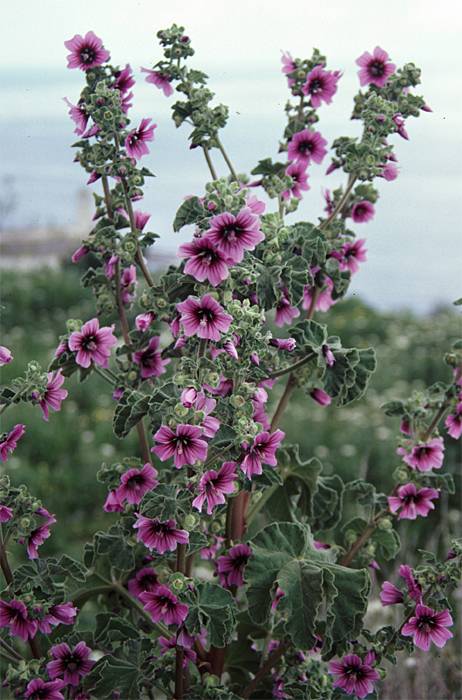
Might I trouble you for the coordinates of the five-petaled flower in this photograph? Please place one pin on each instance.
(320, 85)
(427, 626)
(150, 359)
(70, 664)
(234, 234)
(136, 140)
(205, 261)
(203, 317)
(306, 146)
(231, 566)
(92, 344)
(262, 451)
(410, 501)
(353, 675)
(375, 68)
(163, 536)
(214, 485)
(185, 445)
(135, 483)
(10, 440)
(425, 455)
(86, 52)
(164, 606)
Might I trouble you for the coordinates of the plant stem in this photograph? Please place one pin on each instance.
(340, 204)
(283, 402)
(226, 159)
(291, 368)
(213, 172)
(11, 650)
(179, 652)
(271, 661)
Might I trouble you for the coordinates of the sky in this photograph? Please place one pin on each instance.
(414, 242)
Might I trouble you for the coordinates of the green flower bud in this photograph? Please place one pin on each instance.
(385, 524)
(190, 521)
(161, 303)
(132, 376)
(180, 410)
(178, 582)
(370, 549)
(25, 523)
(237, 401)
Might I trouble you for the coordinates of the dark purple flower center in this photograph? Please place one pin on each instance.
(87, 54)
(205, 315)
(305, 147)
(182, 442)
(354, 670)
(409, 498)
(316, 85)
(230, 232)
(166, 602)
(136, 480)
(73, 662)
(147, 580)
(90, 343)
(377, 68)
(239, 561)
(161, 529)
(208, 257)
(425, 621)
(17, 616)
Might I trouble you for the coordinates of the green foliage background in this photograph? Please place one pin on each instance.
(59, 460)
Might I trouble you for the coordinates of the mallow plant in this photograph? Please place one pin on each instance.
(228, 568)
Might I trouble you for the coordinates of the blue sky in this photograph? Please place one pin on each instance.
(414, 242)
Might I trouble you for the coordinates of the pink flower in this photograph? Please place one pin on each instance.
(141, 219)
(80, 253)
(79, 116)
(128, 284)
(5, 356)
(400, 126)
(320, 86)
(285, 312)
(255, 205)
(135, 483)
(375, 68)
(205, 261)
(214, 485)
(262, 451)
(54, 395)
(86, 51)
(353, 675)
(38, 689)
(69, 664)
(321, 397)
(389, 171)
(428, 625)
(231, 565)
(124, 79)
(426, 456)
(233, 235)
(10, 441)
(362, 212)
(414, 589)
(136, 140)
(185, 445)
(112, 503)
(453, 422)
(324, 298)
(144, 321)
(297, 171)
(15, 616)
(6, 513)
(146, 579)
(306, 146)
(288, 344)
(412, 502)
(92, 344)
(158, 535)
(203, 317)
(174, 642)
(353, 254)
(150, 359)
(163, 606)
(60, 614)
(288, 66)
(110, 266)
(390, 594)
(41, 533)
(160, 80)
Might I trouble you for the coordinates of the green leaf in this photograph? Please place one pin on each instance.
(387, 543)
(302, 584)
(309, 335)
(215, 609)
(266, 167)
(111, 674)
(394, 408)
(328, 502)
(110, 629)
(189, 212)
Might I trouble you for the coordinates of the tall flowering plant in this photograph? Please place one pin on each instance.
(227, 569)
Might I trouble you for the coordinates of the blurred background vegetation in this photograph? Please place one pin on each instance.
(58, 461)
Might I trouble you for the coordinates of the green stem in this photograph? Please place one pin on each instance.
(226, 159)
(340, 204)
(103, 374)
(213, 172)
(271, 661)
(291, 368)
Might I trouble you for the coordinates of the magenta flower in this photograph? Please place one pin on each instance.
(164, 606)
(135, 483)
(352, 255)
(428, 625)
(204, 317)
(160, 80)
(390, 594)
(389, 171)
(141, 219)
(288, 66)
(453, 422)
(413, 587)
(401, 126)
(128, 284)
(328, 355)
(185, 445)
(92, 344)
(112, 503)
(86, 52)
(375, 69)
(53, 395)
(80, 253)
(353, 675)
(288, 344)
(205, 261)
(306, 146)
(146, 579)
(38, 689)
(324, 299)
(262, 451)
(362, 212)
(158, 535)
(136, 140)
(297, 172)
(233, 235)
(6, 513)
(41, 533)
(231, 565)
(79, 116)
(110, 266)
(150, 359)
(144, 321)
(214, 485)
(172, 643)
(5, 356)
(10, 441)
(320, 86)
(59, 614)
(255, 205)
(411, 501)
(124, 79)
(15, 616)
(285, 312)
(69, 664)
(321, 397)
(426, 456)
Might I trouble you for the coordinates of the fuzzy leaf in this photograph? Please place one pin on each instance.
(189, 212)
(215, 609)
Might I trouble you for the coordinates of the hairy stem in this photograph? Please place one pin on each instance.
(291, 368)
(213, 172)
(340, 204)
(226, 159)
(179, 652)
(271, 661)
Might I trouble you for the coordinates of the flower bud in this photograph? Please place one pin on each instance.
(178, 582)
(190, 521)
(385, 524)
